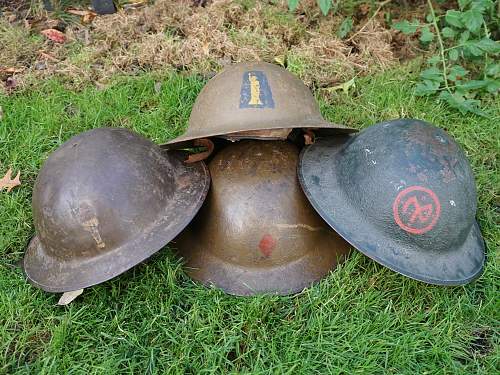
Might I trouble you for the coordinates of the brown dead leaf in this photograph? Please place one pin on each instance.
(11, 71)
(78, 12)
(9, 183)
(87, 15)
(55, 35)
(1, 113)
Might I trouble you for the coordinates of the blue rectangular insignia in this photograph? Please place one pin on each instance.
(255, 91)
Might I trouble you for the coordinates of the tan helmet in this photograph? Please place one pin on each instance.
(104, 201)
(254, 100)
(256, 232)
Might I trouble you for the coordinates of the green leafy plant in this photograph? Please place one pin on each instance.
(466, 66)
(345, 27)
(324, 5)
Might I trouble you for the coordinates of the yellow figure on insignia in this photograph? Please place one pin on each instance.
(254, 90)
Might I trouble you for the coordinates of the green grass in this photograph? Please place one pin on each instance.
(153, 319)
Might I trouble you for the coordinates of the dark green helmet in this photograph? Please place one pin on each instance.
(403, 193)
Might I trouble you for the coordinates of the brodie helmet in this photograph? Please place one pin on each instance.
(253, 100)
(104, 201)
(402, 192)
(256, 232)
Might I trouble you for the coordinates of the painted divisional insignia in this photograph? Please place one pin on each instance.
(416, 209)
(255, 91)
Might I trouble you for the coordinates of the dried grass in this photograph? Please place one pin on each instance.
(17, 46)
(175, 34)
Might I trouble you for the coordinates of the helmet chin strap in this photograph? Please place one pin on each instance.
(309, 137)
(203, 142)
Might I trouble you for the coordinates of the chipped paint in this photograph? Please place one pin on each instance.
(267, 244)
(92, 226)
(302, 226)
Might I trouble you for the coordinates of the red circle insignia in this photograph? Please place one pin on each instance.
(416, 209)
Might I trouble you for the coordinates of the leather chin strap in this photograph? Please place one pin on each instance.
(203, 142)
(309, 136)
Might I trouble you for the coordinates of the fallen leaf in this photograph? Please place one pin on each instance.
(87, 15)
(78, 12)
(69, 297)
(280, 60)
(344, 86)
(1, 113)
(55, 35)
(9, 183)
(11, 70)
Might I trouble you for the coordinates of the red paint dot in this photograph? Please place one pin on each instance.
(267, 244)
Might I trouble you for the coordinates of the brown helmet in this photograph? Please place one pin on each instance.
(104, 201)
(256, 232)
(254, 100)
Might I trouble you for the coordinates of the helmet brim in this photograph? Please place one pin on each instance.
(61, 275)
(325, 126)
(284, 279)
(457, 266)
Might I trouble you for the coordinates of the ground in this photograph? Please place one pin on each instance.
(183, 37)
(362, 318)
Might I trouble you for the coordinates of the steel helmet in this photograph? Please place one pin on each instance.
(104, 201)
(403, 193)
(254, 100)
(256, 232)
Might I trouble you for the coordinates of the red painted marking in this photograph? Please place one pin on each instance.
(416, 209)
(267, 244)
